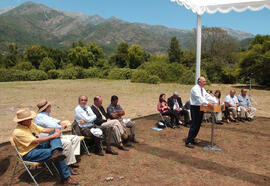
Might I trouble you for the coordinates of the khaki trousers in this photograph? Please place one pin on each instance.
(113, 131)
(234, 111)
(71, 147)
(246, 114)
(131, 125)
(218, 116)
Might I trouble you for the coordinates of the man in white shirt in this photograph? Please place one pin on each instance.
(85, 118)
(71, 143)
(198, 97)
(232, 103)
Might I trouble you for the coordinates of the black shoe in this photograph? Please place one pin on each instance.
(195, 142)
(189, 145)
(249, 119)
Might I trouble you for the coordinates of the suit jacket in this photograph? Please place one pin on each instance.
(99, 119)
(171, 103)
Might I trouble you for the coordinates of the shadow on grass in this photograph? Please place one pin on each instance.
(205, 164)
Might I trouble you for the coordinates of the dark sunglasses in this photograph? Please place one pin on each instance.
(84, 100)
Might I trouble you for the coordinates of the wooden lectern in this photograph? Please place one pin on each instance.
(214, 109)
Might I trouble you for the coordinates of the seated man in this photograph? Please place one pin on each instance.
(175, 103)
(232, 104)
(115, 111)
(245, 105)
(187, 108)
(113, 128)
(34, 148)
(71, 143)
(85, 118)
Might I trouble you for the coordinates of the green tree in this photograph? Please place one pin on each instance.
(174, 51)
(120, 58)
(81, 56)
(12, 57)
(35, 54)
(47, 64)
(136, 56)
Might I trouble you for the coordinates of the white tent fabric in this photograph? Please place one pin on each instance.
(212, 6)
(224, 6)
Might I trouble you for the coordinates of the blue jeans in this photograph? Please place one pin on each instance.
(43, 152)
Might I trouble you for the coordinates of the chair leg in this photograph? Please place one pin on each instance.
(56, 169)
(85, 147)
(13, 172)
(30, 174)
(48, 168)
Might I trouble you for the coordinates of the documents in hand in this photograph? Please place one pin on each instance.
(126, 121)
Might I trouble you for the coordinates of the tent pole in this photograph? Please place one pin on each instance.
(198, 50)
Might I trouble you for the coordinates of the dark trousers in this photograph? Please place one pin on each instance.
(196, 117)
(173, 115)
(185, 114)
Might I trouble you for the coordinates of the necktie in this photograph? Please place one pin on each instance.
(86, 111)
(103, 117)
(202, 92)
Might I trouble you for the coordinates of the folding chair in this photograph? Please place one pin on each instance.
(162, 118)
(82, 138)
(27, 165)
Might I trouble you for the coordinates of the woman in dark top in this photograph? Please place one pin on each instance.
(164, 109)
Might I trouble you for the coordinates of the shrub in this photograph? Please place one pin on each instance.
(153, 79)
(91, 73)
(12, 75)
(46, 64)
(36, 75)
(26, 66)
(139, 76)
(120, 73)
(54, 74)
(73, 73)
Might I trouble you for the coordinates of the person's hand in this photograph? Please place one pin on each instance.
(63, 125)
(121, 113)
(57, 133)
(211, 105)
(82, 121)
(249, 109)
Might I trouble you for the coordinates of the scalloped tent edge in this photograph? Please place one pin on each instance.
(211, 7)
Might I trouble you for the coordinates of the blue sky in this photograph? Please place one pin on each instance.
(159, 12)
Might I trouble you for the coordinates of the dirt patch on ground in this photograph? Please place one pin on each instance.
(162, 159)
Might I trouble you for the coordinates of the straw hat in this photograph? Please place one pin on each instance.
(24, 114)
(42, 105)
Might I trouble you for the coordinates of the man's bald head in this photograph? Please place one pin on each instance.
(98, 101)
(232, 93)
(201, 81)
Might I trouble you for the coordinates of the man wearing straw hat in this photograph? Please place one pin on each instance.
(71, 143)
(34, 148)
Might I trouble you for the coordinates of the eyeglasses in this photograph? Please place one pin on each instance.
(84, 100)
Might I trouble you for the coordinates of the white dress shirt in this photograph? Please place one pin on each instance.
(176, 105)
(233, 101)
(196, 97)
(86, 114)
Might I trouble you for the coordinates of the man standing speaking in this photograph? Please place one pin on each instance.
(198, 97)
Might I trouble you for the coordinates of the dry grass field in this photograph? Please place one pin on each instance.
(161, 157)
(137, 99)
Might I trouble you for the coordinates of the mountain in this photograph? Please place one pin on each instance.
(32, 23)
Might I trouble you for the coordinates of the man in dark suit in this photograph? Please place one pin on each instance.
(113, 128)
(175, 103)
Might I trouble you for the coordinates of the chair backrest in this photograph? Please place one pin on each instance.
(76, 129)
(11, 140)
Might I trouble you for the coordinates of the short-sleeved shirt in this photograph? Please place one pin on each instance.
(244, 101)
(113, 109)
(233, 101)
(23, 137)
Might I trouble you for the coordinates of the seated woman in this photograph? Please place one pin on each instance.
(218, 115)
(165, 110)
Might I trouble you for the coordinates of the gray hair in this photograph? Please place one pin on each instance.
(79, 98)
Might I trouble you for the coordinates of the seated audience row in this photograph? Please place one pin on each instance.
(42, 140)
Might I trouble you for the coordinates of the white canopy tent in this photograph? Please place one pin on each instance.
(212, 6)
